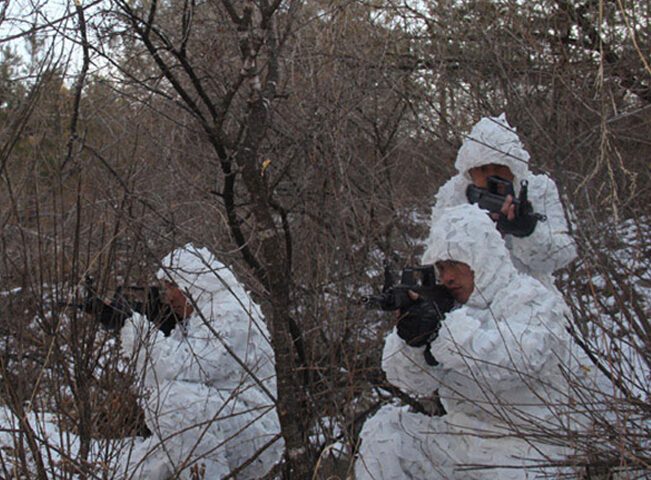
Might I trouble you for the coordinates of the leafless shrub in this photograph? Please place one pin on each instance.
(370, 104)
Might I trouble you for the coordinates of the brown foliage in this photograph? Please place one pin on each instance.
(296, 141)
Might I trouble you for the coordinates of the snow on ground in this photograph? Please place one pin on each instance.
(611, 294)
(58, 448)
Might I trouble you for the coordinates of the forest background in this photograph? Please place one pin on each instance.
(303, 143)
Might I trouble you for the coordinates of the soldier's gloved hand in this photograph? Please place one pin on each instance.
(420, 323)
(518, 227)
(509, 222)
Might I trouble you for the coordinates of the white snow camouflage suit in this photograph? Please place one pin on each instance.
(202, 405)
(493, 141)
(499, 357)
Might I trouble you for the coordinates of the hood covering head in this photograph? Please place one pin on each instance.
(198, 273)
(493, 140)
(466, 234)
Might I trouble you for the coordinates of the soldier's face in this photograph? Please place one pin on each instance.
(479, 175)
(175, 297)
(458, 278)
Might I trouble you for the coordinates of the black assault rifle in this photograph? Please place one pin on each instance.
(421, 318)
(112, 313)
(492, 199)
(420, 279)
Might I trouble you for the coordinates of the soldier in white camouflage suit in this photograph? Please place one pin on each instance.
(498, 355)
(494, 148)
